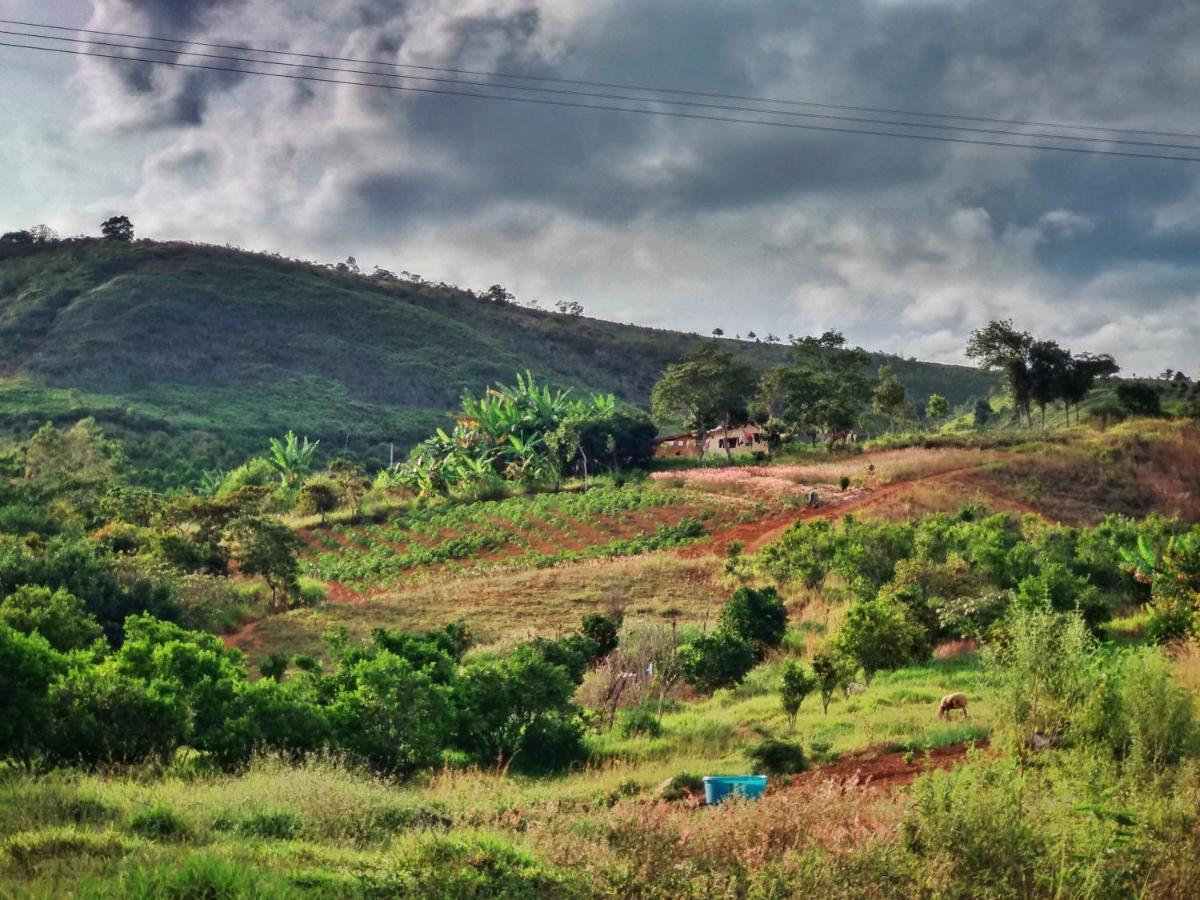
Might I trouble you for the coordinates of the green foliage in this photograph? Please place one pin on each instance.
(28, 665)
(518, 709)
(795, 683)
(268, 548)
(292, 458)
(603, 631)
(937, 407)
(830, 671)
(982, 413)
(772, 756)
(880, 634)
(318, 496)
(158, 823)
(710, 387)
(640, 722)
(757, 616)
(1160, 714)
(1045, 668)
(716, 660)
(1139, 399)
(524, 434)
(59, 616)
(890, 398)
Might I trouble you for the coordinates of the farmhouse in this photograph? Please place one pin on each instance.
(741, 439)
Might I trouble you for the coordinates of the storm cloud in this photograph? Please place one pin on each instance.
(905, 245)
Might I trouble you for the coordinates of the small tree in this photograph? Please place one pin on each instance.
(292, 458)
(889, 398)
(268, 548)
(937, 408)
(1140, 399)
(602, 630)
(880, 634)
(716, 660)
(118, 228)
(756, 615)
(829, 670)
(795, 683)
(319, 496)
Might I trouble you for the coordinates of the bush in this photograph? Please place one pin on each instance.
(158, 823)
(795, 683)
(880, 634)
(775, 757)
(275, 824)
(756, 615)
(969, 826)
(59, 617)
(639, 722)
(682, 786)
(603, 630)
(1159, 712)
(716, 660)
(1168, 622)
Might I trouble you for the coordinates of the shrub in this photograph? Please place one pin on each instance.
(969, 826)
(603, 630)
(639, 722)
(319, 496)
(275, 824)
(716, 660)
(775, 757)
(1168, 621)
(880, 634)
(844, 482)
(158, 823)
(682, 786)
(59, 616)
(1160, 714)
(756, 615)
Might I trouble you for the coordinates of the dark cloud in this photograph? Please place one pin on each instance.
(898, 240)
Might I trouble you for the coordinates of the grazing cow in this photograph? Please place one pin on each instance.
(854, 688)
(814, 499)
(957, 700)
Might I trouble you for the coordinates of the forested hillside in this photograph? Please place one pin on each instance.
(183, 348)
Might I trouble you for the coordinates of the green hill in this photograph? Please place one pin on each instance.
(203, 351)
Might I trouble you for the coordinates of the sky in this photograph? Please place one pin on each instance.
(903, 245)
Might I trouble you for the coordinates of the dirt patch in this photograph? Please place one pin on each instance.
(881, 767)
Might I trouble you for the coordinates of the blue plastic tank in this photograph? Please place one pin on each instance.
(718, 788)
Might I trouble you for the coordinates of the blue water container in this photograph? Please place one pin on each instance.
(718, 788)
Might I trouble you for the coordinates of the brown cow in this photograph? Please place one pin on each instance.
(956, 700)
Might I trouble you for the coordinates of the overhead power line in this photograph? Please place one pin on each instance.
(690, 104)
(610, 85)
(544, 101)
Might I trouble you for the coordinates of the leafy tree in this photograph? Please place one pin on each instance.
(937, 408)
(718, 332)
(709, 388)
(512, 703)
(1045, 667)
(78, 465)
(805, 553)
(268, 548)
(319, 496)
(1139, 399)
(757, 616)
(103, 716)
(499, 295)
(829, 670)
(1049, 370)
(17, 237)
(716, 660)
(349, 481)
(998, 345)
(795, 683)
(58, 616)
(889, 398)
(117, 228)
(292, 458)
(1081, 377)
(828, 387)
(880, 634)
(28, 666)
(390, 714)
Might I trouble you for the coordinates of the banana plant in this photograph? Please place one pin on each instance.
(292, 458)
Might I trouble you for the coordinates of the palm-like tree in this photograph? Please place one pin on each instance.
(292, 458)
